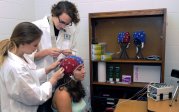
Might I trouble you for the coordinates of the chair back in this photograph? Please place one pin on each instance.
(175, 73)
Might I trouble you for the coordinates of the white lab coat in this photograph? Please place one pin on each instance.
(20, 87)
(61, 43)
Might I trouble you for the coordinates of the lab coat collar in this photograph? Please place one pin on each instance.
(46, 23)
(15, 57)
(29, 62)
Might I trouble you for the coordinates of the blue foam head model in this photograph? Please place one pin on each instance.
(139, 37)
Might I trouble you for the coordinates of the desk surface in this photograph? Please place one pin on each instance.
(142, 106)
(163, 106)
(124, 105)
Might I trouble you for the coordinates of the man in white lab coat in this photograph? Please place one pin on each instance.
(60, 31)
(59, 34)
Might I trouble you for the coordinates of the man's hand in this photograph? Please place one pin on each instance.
(54, 52)
(67, 52)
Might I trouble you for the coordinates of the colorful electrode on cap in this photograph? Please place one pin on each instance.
(70, 63)
(78, 59)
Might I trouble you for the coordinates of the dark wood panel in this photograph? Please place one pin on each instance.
(107, 31)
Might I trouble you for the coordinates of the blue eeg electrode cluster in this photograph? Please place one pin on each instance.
(139, 38)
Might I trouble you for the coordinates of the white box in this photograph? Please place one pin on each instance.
(159, 91)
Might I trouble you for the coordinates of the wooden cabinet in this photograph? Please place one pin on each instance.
(104, 27)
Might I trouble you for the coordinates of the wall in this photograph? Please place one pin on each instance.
(13, 12)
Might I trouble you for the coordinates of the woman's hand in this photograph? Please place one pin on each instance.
(56, 76)
(52, 66)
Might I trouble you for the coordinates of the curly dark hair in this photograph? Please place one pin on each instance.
(74, 88)
(66, 7)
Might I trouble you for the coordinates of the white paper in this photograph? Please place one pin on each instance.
(144, 73)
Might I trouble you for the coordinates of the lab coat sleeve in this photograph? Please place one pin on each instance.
(74, 47)
(74, 41)
(41, 74)
(23, 87)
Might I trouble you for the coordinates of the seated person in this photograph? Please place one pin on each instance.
(69, 93)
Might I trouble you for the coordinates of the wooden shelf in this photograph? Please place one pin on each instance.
(104, 27)
(134, 61)
(128, 13)
(133, 84)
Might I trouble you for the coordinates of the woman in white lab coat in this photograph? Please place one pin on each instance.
(19, 79)
(59, 33)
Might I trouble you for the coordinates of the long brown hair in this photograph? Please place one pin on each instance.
(23, 33)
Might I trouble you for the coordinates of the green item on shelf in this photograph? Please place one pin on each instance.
(96, 57)
(96, 46)
(106, 57)
(96, 52)
(117, 73)
(111, 73)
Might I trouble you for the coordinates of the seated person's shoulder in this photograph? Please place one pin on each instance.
(62, 94)
(61, 100)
